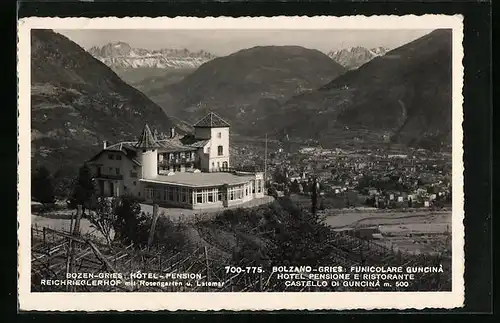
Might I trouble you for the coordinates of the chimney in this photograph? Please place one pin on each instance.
(104, 144)
(172, 132)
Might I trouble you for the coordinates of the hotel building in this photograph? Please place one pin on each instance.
(190, 171)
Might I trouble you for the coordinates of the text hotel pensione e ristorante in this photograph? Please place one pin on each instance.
(169, 157)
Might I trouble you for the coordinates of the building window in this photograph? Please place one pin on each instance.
(117, 170)
(218, 165)
(111, 156)
(110, 169)
(199, 197)
(210, 197)
(118, 157)
(219, 135)
(220, 150)
(224, 165)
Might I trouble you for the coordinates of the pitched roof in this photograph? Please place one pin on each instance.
(211, 120)
(173, 145)
(199, 143)
(147, 140)
(126, 148)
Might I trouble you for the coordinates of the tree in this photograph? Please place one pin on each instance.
(294, 187)
(42, 189)
(272, 191)
(321, 205)
(64, 178)
(370, 201)
(104, 218)
(305, 187)
(83, 190)
(314, 195)
(130, 223)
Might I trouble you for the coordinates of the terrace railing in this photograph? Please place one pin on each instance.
(176, 161)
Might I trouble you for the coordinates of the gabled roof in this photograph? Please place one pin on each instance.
(123, 148)
(147, 140)
(173, 145)
(211, 120)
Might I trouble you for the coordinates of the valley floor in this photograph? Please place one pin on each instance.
(416, 231)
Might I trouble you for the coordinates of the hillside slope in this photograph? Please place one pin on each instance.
(402, 97)
(243, 87)
(77, 102)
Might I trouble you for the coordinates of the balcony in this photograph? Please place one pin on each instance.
(176, 161)
(109, 176)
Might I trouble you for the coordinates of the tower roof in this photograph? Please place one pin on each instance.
(147, 140)
(211, 120)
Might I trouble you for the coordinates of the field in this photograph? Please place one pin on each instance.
(413, 231)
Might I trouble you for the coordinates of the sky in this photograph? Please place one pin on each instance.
(224, 41)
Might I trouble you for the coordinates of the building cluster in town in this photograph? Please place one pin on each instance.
(382, 178)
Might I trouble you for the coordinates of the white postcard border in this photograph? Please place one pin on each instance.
(237, 301)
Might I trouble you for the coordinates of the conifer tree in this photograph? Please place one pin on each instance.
(314, 195)
(83, 189)
(42, 189)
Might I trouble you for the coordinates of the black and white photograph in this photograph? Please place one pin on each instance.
(301, 156)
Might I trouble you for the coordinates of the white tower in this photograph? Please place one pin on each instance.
(147, 152)
(216, 152)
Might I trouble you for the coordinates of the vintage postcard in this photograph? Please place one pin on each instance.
(300, 163)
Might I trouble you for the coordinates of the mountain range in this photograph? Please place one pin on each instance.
(245, 86)
(402, 97)
(119, 55)
(354, 57)
(146, 69)
(77, 102)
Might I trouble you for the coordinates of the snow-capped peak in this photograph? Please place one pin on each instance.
(355, 56)
(122, 55)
